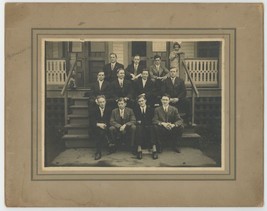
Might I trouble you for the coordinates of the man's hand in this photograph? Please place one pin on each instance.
(174, 100)
(101, 125)
(122, 128)
(166, 125)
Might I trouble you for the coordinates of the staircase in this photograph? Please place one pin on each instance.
(77, 128)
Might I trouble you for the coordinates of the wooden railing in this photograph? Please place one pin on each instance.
(195, 92)
(55, 72)
(202, 71)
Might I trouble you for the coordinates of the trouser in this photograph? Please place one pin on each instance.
(161, 134)
(144, 136)
(118, 137)
(101, 137)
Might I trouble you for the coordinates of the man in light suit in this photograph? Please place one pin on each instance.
(145, 85)
(133, 71)
(99, 120)
(158, 73)
(175, 88)
(122, 125)
(111, 68)
(167, 122)
(144, 128)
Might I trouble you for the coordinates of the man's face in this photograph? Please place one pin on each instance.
(136, 59)
(101, 76)
(121, 105)
(113, 58)
(165, 101)
(145, 75)
(173, 72)
(101, 102)
(176, 48)
(157, 61)
(121, 74)
(142, 102)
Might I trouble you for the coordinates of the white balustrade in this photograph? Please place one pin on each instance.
(202, 71)
(55, 72)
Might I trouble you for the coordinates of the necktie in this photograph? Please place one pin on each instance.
(102, 112)
(166, 114)
(112, 66)
(121, 84)
(100, 85)
(121, 113)
(135, 69)
(173, 79)
(144, 83)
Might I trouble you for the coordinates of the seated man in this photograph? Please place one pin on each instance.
(144, 85)
(167, 121)
(144, 128)
(111, 68)
(122, 125)
(99, 120)
(133, 71)
(100, 87)
(175, 88)
(158, 73)
(122, 88)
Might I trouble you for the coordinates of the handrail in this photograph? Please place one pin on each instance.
(68, 79)
(190, 79)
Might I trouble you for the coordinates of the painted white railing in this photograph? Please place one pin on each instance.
(55, 72)
(202, 71)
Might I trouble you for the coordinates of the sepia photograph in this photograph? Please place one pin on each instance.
(133, 103)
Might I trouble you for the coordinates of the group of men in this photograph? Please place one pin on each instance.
(125, 107)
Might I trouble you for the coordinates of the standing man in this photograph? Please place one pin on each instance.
(158, 74)
(122, 125)
(100, 123)
(175, 88)
(122, 87)
(167, 122)
(101, 86)
(111, 68)
(144, 127)
(133, 71)
(144, 85)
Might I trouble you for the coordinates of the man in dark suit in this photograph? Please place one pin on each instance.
(133, 71)
(99, 120)
(111, 68)
(167, 122)
(122, 125)
(175, 88)
(144, 85)
(158, 73)
(144, 128)
(122, 87)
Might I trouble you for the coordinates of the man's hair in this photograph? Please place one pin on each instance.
(176, 43)
(137, 55)
(165, 95)
(144, 70)
(118, 70)
(121, 99)
(141, 96)
(113, 54)
(101, 71)
(100, 96)
(157, 57)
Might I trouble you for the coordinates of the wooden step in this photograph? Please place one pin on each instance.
(79, 109)
(75, 141)
(80, 101)
(77, 129)
(78, 119)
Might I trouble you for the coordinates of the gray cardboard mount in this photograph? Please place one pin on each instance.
(245, 189)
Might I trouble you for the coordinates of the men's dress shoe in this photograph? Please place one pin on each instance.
(176, 149)
(97, 155)
(159, 149)
(139, 155)
(154, 155)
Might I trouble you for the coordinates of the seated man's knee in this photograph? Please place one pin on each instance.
(112, 128)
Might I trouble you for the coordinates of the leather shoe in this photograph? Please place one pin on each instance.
(176, 149)
(139, 155)
(97, 155)
(154, 155)
(159, 149)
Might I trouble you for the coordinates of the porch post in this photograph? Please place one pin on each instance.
(66, 107)
(193, 107)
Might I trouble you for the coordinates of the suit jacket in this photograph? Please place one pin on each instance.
(163, 71)
(117, 121)
(176, 90)
(111, 75)
(145, 119)
(149, 88)
(172, 116)
(130, 70)
(125, 91)
(95, 116)
(105, 89)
